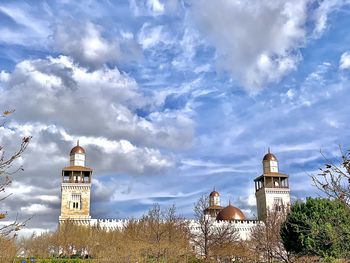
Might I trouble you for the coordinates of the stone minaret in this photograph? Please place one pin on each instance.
(76, 188)
(271, 188)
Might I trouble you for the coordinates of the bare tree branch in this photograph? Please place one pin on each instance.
(333, 180)
(6, 172)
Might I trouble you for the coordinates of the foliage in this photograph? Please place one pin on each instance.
(318, 227)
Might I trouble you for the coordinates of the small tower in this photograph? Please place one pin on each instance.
(270, 164)
(214, 204)
(77, 156)
(214, 198)
(76, 188)
(271, 188)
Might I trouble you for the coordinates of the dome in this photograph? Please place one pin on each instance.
(230, 213)
(214, 194)
(269, 157)
(77, 149)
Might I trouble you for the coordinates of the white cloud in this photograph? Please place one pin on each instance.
(29, 30)
(344, 62)
(156, 6)
(99, 108)
(150, 36)
(91, 103)
(35, 209)
(4, 76)
(258, 42)
(111, 156)
(315, 88)
(320, 15)
(85, 43)
(127, 34)
(49, 198)
(190, 40)
(261, 43)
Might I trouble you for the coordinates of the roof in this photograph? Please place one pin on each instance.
(271, 175)
(214, 207)
(214, 193)
(230, 213)
(77, 149)
(77, 168)
(270, 157)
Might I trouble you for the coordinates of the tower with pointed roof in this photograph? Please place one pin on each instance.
(271, 188)
(76, 188)
(214, 204)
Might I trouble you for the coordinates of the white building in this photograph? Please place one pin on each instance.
(271, 191)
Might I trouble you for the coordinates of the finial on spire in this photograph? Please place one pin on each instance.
(229, 201)
(78, 142)
(268, 150)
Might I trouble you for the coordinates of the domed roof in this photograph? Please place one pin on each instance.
(269, 156)
(214, 194)
(230, 213)
(77, 149)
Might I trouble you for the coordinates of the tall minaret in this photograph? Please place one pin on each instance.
(271, 188)
(76, 188)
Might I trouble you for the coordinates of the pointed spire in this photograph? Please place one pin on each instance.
(78, 142)
(268, 150)
(229, 202)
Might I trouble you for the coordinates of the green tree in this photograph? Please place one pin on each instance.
(318, 227)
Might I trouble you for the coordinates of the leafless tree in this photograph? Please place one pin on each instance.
(8, 230)
(38, 246)
(8, 249)
(334, 178)
(210, 239)
(266, 239)
(161, 235)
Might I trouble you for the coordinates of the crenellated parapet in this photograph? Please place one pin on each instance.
(243, 227)
(249, 222)
(110, 224)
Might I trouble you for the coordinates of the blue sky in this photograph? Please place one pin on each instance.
(171, 98)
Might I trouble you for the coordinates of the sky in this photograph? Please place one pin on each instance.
(170, 99)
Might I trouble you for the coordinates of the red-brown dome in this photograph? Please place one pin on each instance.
(230, 213)
(270, 157)
(214, 194)
(77, 149)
